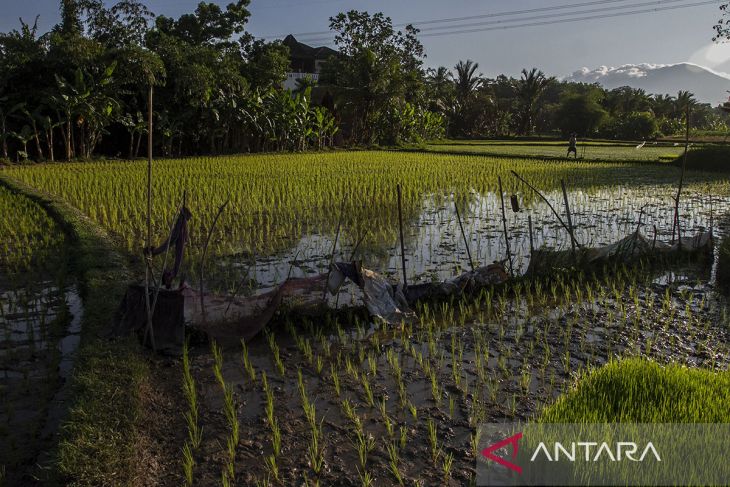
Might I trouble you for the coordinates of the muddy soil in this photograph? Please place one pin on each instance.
(418, 392)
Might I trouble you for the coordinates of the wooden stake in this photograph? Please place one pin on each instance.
(334, 248)
(504, 225)
(711, 220)
(570, 220)
(463, 235)
(202, 258)
(149, 330)
(357, 245)
(529, 229)
(557, 215)
(681, 183)
(402, 244)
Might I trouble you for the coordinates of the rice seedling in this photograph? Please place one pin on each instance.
(394, 462)
(366, 479)
(364, 444)
(446, 467)
(433, 441)
(335, 376)
(270, 417)
(231, 414)
(367, 389)
(413, 410)
(247, 365)
(195, 433)
(274, 347)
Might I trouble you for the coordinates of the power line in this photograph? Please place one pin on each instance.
(549, 16)
(482, 16)
(529, 21)
(574, 19)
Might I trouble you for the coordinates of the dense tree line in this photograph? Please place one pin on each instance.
(81, 90)
(475, 106)
(83, 87)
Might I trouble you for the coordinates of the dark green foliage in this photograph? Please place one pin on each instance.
(580, 114)
(707, 158)
(217, 89)
(632, 126)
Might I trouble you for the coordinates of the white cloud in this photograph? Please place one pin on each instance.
(714, 55)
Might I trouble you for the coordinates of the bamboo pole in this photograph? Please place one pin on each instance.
(504, 226)
(463, 235)
(158, 285)
(149, 330)
(557, 215)
(570, 219)
(681, 182)
(334, 248)
(402, 244)
(202, 257)
(529, 229)
(357, 245)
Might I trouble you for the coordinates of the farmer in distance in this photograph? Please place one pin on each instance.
(572, 146)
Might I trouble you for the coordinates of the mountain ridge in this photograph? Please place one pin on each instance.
(708, 86)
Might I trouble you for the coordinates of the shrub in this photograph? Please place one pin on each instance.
(707, 158)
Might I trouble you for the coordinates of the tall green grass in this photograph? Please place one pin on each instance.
(642, 391)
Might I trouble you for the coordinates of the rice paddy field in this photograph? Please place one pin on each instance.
(40, 313)
(341, 399)
(588, 150)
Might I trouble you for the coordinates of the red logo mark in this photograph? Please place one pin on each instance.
(488, 452)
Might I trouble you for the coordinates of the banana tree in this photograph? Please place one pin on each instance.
(49, 125)
(87, 103)
(24, 136)
(136, 126)
(32, 118)
(3, 130)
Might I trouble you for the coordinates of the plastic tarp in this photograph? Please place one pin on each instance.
(631, 247)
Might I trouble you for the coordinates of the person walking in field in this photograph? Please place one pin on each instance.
(572, 146)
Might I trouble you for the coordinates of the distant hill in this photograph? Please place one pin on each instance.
(707, 85)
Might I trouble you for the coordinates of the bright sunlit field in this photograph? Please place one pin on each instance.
(290, 204)
(587, 150)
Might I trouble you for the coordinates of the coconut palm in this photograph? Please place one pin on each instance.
(685, 100)
(441, 84)
(529, 90)
(467, 81)
(664, 106)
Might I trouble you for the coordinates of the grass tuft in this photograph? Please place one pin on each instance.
(642, 391)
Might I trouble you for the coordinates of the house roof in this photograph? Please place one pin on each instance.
(301, 50)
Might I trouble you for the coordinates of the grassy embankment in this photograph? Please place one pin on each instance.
(97, 438)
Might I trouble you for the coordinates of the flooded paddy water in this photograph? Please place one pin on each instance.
(345, 401)
(40, 324)
(435, 248)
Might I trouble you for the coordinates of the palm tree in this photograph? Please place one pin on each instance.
(685, 100)
(529, 90)
(467, 81)
(440, 84)
(663, 106)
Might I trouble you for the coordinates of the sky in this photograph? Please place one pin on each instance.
(559, 49)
